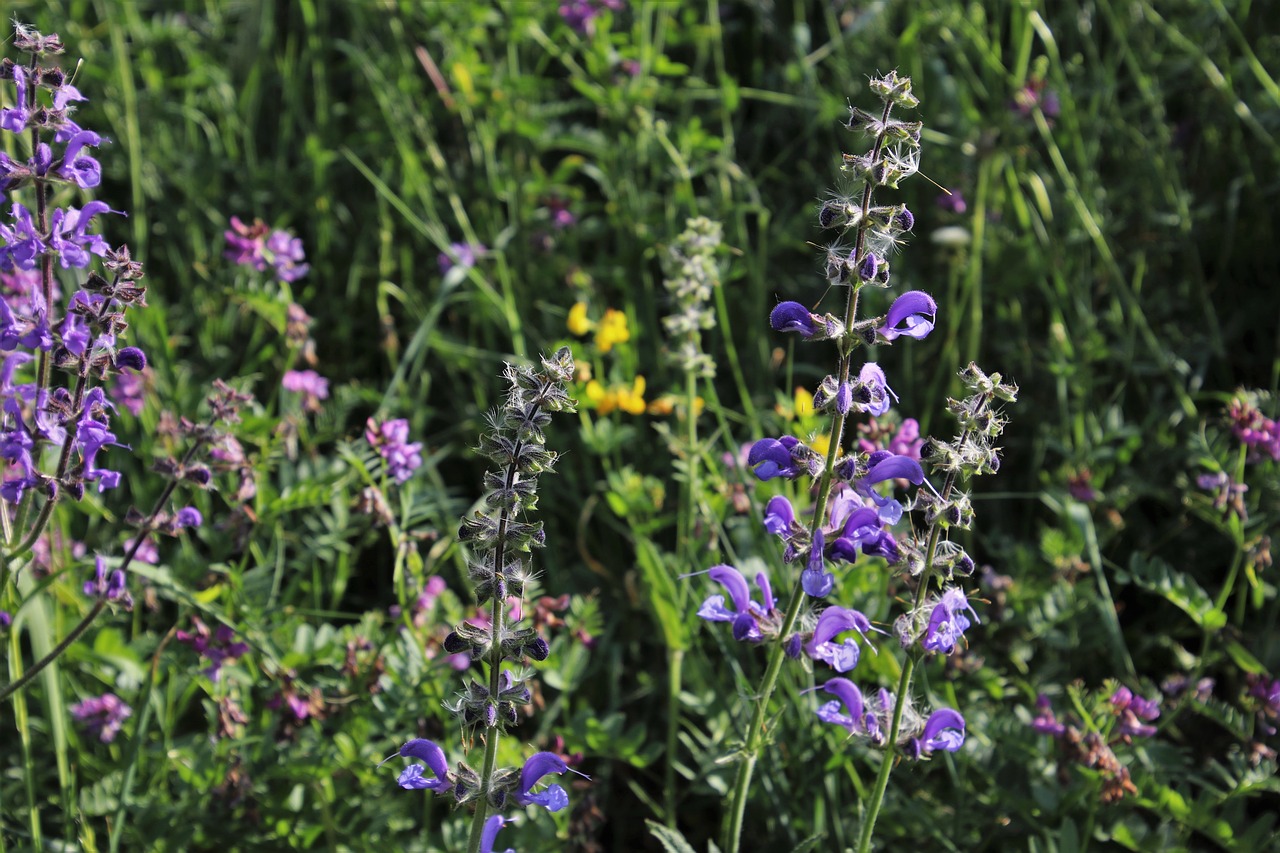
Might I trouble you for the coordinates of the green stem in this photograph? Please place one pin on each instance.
(890, 756)
(675, 666)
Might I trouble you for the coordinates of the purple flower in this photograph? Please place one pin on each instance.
(489, 834)
(581, 14)
(258, 246)
(835, 621)
(947, 621)
(1131, 709)
(15, 120)
(311, 385)
(873, 390)
(944, 730)
(746, 614)
(848, 709)
(20, 245)
(391, 440)
(815, 580)
(780, 457)
(102, 716)
(794, 317)
(414, 778)
(886, 466)
(108, 588)
(68, 238)
(84, 171)
(5, 620)
(91, 436)
(952, 202)
(553, 797)
(779, 516)
(464, 255)
(188, 516)
(217, 646)
(1045, 722)
(907, 316)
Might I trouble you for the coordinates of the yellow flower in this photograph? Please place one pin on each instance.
(821, 443)
(632, 401)
(804, 403)
(666, 404)
(613, 330)
(578, 323)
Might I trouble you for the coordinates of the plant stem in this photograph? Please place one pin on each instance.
(22, 681)
(890, 756)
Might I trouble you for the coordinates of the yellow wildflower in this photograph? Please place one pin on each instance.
(804, 403)
(631, 400)
(821, 443)
(666, 404)
(579, 323)
(612, 330)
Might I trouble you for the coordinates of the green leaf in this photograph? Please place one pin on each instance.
(672, 840)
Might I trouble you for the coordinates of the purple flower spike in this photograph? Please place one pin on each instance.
(793, 317)
(944, 730)
(540, 764)
(907, 316)
(414, 778)
(835, 621)
(489, 835)
(846, 712)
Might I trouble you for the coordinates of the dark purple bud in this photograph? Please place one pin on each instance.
(132, 358)
(198, 474)
(454, 644)
(793, 647)
(868, 268)
(906, 220)
(537, 649)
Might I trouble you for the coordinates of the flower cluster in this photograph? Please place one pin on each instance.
(857, 500)
(102, 716)
(260, 247)
(218, 646)
(391, 440)
(311, 385)
(499, 536)
(1257, 432)
(1093, 749)
(60, 360)
(611, 329)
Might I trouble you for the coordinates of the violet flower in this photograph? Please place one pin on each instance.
(947, 621)
(943, 730)
(1046, 722)
(391, 440)
(489, 835)
(553, 797)
(102, 716)
(907, 316)
(746, 614)
(414, 778)
(842, 657)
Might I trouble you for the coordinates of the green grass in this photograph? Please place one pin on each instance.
(1119, 267)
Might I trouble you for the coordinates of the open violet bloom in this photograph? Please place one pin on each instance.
(947, 621)
(943, 730)
(833, 622)
(907, 316)
(847, 710)
(746, 614)
(489, 835)
(414, 777)
(882, 466)
(553, 797)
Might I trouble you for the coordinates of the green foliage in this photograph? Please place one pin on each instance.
(1114, 259)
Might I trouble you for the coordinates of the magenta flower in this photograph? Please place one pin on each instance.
(102, 716)
(258, 246)
(311, 385)
(391, 440)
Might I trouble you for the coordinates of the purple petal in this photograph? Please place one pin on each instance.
(792, 317)
(489, 834)
(735, 583)
(539, 765)
(849, 695)
(427, 751)
(905, 316)
(893, 468)
(944, 730)
(779, 515)
(713, 610)
(762, 581)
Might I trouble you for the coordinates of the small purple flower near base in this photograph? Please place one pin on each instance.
(463, 255)
(311, 385)
(1046, 722)
(102, 716)
(391, 440)
(1132, 710)
(108, 588)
